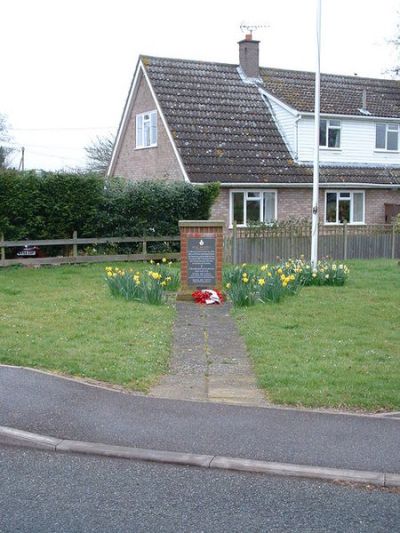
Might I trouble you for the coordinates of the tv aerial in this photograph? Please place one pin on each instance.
(250, 28)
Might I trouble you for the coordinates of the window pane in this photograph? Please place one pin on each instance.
(269, 206)
(344, 210)
(146, 133)
(139, 130)
(322, 133)
(253, 211)
(331, 207)
(392, 137)
(380, 136)
(358, 207)
(334, 123)
(344, 195)
(334, 138)
(238, 204)
(253, 195)
(154, 128)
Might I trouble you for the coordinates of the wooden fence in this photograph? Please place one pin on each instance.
(75, 257)
(248, 245)
(245, 245)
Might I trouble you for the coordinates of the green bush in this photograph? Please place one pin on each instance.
(53, 205)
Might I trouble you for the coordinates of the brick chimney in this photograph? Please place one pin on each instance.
(249, 56)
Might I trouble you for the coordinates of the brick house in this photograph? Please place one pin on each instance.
(251, 129)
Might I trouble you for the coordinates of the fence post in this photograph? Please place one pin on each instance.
(234, 242)
(344, 240)
(3, 251)
(393, 239)
(75, 244)
(144, 249)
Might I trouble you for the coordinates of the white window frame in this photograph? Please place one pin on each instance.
(351, 198)
(246, 197)
(328, 127)
(145, 120)
(391, 128)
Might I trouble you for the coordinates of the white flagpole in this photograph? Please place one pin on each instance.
(315, 214)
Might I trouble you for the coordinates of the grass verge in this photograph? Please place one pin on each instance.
(64, 319)
(331, 346)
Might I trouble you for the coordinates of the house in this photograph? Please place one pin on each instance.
(252, 129)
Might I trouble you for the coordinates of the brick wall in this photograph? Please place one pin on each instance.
(296, 203)
(158, 162)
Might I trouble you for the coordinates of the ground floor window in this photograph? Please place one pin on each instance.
(343, 206)
(251, 206)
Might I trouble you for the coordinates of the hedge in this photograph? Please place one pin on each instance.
(53, 205)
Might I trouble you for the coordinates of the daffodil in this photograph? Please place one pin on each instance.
(261, 281)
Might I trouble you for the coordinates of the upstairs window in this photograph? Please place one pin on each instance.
(249, 207)
(329, 133)
(387, 137)
(146, 129)
(343, 206)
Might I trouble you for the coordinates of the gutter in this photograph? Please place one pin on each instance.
(346, 185)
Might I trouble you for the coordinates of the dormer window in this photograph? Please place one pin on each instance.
(146, 129)
(387, 137)
(329, 133)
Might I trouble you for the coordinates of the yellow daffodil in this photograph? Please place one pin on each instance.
(228, 285)
(164, 259)
(261, 281)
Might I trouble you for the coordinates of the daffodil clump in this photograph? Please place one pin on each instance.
(245, 285)
(148, 286)
(169, 275)
(327, 272)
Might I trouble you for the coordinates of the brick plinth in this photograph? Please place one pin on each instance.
(200, 229)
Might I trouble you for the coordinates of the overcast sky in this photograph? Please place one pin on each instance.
(67, 64)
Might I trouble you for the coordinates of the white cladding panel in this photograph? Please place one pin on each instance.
(286, 124)
(357, 143)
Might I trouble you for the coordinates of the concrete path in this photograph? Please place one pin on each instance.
(209, 361)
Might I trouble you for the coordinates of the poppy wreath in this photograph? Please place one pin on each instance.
(208, 296)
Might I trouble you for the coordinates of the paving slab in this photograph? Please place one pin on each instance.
(209, 361)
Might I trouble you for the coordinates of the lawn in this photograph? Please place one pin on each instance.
(331, 346)
(65, 320)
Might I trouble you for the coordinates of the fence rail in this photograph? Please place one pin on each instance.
(75, 257)
(252, 245)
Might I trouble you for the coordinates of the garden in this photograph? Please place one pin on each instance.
(324, 338)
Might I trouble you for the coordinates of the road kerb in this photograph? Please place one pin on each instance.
(128, 452)
(392, 480)
(285, 469)
(25, 438)
(16, 437)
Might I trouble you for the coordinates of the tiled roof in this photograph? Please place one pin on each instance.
(225, 132)
(342, 95)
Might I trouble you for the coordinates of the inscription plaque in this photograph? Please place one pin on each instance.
(201, 261)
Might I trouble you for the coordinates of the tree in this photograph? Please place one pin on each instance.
(5, 149)
(99, 153)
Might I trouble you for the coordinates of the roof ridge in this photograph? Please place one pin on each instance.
(181, 60)
(287, 70)
(347, 76)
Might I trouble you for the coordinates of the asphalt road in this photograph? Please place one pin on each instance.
(46, 492)
(53, 406)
